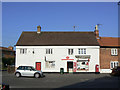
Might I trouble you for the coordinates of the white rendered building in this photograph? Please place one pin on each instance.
(50, 51)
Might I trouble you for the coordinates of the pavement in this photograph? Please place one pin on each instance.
(62, 81)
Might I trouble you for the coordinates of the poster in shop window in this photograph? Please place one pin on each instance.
(74, 66)
(82, 65)
(86, 66)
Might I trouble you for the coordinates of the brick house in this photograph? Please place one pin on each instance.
(109, 53)
(7, 52)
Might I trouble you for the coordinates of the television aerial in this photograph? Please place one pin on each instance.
(99, 25)
(74, 27)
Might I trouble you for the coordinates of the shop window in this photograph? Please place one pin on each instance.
(50, 64)
(114, 51)
(81, 51)
(113, 64)
(82, 65)
(49, 51)
(70, 51)
(23, 51)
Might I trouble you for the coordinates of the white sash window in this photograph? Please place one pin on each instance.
(49, 51)
(114, 51)
(70, 51)
(23, 51)
(113, 64)
(81, 51)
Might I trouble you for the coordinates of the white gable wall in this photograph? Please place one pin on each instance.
(59, 52)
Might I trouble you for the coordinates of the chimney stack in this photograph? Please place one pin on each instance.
(39, 29)
(96, 32)
(10, 47)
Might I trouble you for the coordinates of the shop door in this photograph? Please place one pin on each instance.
(38, 65)
(69, 66)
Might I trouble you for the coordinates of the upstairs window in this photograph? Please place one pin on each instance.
(70, 51)
(81, 51)
(23, 51)
(49, 51)
(114, 51)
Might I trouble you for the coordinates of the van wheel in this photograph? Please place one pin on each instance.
(17, 75)
(37, 75)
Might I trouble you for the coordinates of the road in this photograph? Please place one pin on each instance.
(63, 81)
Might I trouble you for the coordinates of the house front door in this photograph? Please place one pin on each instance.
(38, 65)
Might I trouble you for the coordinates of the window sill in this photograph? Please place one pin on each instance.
(114, 55)
(82, 69)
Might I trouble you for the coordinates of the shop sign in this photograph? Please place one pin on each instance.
(67, 58)
(80, 60)
(83, 56)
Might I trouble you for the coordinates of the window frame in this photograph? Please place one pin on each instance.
(23, 50)
(82, 51)
(79, 51)
(114, 51)
(49, 51)
(70, 51)
(51, 64)
(114, 64)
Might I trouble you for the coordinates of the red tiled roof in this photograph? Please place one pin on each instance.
(109, 41)
(6, 49)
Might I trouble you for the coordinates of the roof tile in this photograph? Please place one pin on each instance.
(57, 39)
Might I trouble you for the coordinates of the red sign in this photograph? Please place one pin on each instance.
(67, 58)
(74, 66)
(87, 63)
(88, 60)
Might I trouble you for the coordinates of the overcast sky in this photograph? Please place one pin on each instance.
(18, 17)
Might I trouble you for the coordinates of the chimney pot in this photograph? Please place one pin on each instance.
(39, 29)
(96, 27)
(96, 31)
(10, 47)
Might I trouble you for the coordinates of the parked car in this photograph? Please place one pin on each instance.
(116, 71)
(28, 71)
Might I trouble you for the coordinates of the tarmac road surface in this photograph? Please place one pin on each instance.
(62, 81)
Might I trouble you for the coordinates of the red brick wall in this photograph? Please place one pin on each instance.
(119, 55)
(8, 54)
(106, 58)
